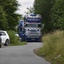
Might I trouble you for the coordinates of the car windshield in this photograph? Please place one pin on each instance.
(2, 33)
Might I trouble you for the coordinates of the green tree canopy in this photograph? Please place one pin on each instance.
(43, 7)
(10, 7)
(3, 20)
(57, 14)
(52, 12)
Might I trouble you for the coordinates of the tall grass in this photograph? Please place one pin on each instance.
(53, 48)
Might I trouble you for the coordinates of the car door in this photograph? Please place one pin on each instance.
(3, 37)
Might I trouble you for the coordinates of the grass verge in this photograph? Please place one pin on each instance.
(53, 48)
(18, 44)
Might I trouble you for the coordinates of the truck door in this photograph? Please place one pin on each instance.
(21, 33)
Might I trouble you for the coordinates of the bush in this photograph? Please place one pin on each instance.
(53, 48)
(14, 40)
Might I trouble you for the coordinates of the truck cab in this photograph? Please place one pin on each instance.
(32, 27)
(29, 29)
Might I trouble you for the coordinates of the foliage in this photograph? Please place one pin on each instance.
(53, 49)
(14, 40)
(57, 14)
(10, 7)
(30, 10)
(43, 7)
(3, 20)
(52, 12)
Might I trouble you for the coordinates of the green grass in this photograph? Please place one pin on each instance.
(18, 44)
(53, 49)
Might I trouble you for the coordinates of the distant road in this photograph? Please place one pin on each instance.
(21, 55)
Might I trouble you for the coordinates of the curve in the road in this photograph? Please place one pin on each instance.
(21, 55)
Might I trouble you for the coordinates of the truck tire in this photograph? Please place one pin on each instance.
(40, 40)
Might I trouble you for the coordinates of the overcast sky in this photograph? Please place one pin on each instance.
(24, 4)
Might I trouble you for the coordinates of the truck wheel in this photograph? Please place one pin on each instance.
(40, 40)
(6, 43)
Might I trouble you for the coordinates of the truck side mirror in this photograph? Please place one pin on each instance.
(42, 26)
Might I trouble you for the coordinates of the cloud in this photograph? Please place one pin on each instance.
(24, 4)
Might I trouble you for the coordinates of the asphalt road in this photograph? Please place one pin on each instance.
(21, 55)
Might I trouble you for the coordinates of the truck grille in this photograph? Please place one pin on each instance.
(33, 36)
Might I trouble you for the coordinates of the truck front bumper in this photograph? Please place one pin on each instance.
(39, 39)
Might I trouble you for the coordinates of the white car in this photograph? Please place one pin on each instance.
(4, 38)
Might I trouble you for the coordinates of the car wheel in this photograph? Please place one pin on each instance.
(6, 43)
(0, 45)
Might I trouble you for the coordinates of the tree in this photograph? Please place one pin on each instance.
(43, 7)
(10, 7)
(3, 20)
(57, 14)
(29, 10)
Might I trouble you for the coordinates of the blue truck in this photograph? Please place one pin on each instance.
(29, 29)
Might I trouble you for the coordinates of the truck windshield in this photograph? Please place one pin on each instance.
(33, 25)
